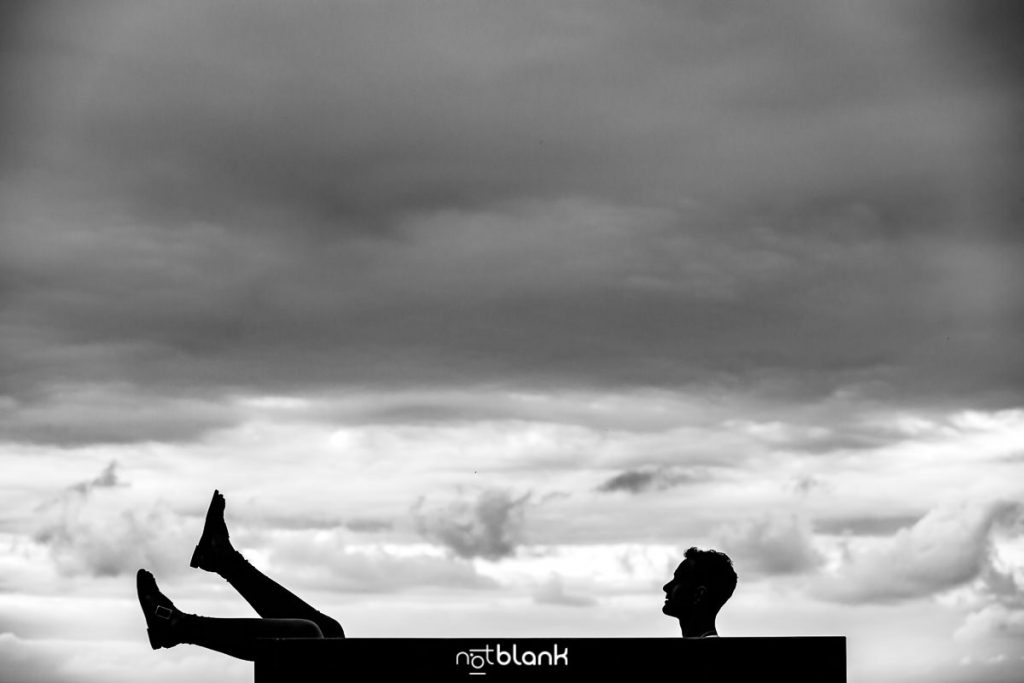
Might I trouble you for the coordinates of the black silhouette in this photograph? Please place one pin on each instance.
(283, 614)
(700, 586)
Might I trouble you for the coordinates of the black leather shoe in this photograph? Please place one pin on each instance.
(214, 548)
(162, 616)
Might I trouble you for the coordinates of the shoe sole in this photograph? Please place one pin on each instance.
(198, 557)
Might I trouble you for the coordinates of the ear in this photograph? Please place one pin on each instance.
(698, 594)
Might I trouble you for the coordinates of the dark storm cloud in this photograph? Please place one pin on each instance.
(110, 415)
(259, 198)
(980, 46)
(985, 38)
(260, 115)
(640, 480)
(632, 481)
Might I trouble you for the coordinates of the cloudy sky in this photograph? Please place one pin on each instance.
(480, 313)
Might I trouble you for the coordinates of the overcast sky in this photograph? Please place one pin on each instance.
(491, 309)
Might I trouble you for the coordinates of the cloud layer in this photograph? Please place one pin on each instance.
(265, 201)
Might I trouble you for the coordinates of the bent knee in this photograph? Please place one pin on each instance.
(331, 628)
(304, 628)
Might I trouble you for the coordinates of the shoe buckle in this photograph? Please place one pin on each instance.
(163, 612)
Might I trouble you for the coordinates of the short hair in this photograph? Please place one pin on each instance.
(714, 571)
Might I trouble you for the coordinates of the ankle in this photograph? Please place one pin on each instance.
(231, 563)
(184, 628)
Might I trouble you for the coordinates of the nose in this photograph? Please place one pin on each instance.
(667, 587)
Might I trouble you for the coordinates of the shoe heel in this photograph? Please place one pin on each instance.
(197, 558)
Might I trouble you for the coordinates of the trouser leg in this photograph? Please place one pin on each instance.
(271, 600)
(240, 637)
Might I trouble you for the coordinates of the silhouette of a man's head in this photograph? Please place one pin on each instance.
(698, 589)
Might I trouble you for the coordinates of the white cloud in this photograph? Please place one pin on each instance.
(775, 545)
(490, 526)
(324, 560)
(95, 661)
(994, 620)
(27, 662)
(95, 528)
(948, 547)
(554, 592)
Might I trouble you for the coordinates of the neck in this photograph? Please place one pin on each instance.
(698, 626)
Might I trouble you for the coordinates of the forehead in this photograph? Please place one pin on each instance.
(684, 570)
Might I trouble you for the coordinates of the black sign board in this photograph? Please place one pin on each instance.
(483, 660)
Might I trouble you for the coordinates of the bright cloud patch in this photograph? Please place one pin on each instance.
(774, 545)
(948, 547)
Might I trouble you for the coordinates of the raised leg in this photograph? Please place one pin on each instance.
(271, 600)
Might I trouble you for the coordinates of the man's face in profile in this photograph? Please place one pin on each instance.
(679, 592)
